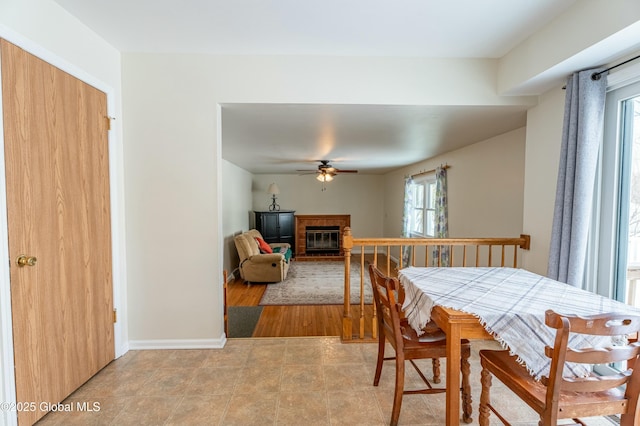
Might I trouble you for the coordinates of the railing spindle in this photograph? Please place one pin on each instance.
(362, 291)
(347, 330)
(413, 255)
(426, 255)
(388, 259)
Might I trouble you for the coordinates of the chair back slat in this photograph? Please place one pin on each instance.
(603, 355)
(384, 295)
(599, 355)
(595, 384)
(610, 324)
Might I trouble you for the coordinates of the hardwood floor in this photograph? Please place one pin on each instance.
(294, 320)
(241, 294)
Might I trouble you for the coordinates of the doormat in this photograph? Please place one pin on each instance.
(242, 320)
(317, 283)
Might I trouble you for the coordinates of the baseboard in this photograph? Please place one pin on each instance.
(123, 349)
(178, 343)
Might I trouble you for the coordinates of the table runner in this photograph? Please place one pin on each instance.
(510, 303)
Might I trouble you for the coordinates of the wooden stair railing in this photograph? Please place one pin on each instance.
(430, 252)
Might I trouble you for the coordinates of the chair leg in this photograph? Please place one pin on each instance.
(397, 396)
(485, 398)
(436, 369)
(381, 347)
(550, 417)
(465, 367)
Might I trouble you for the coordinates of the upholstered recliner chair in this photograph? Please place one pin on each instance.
(256, 266)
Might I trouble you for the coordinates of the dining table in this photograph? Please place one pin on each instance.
(504, 304)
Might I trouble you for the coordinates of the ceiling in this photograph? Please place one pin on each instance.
(416, 28)
(268, 138)
(371, 138)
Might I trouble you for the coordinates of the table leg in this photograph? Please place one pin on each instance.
(453, 374)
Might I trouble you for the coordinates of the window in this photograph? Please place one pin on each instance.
(629, 230)
(618, 211)
(614, 264)
(424, 204)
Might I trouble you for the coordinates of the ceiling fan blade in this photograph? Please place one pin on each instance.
(326, 168)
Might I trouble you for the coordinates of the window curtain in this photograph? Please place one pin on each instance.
(408, 207)
(406, 218)
(441, 215)
(581, 138)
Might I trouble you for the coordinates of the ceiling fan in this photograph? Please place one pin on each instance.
(326, 171)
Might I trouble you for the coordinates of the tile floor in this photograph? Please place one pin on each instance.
(269, 381)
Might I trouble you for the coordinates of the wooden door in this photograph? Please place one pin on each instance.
(56, 154)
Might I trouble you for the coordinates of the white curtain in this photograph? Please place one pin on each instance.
(581, 138)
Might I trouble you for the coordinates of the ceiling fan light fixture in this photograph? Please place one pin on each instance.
(324, 177)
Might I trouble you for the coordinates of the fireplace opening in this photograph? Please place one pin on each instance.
(322, 239)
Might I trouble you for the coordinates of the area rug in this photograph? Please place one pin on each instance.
(317, 283)
(242, 320)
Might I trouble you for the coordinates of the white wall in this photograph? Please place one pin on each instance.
(173, 212)
(358, 195)
(569, 43)
(544, 137)
(174, 172)
(173, 167)
(236, 203)
(44, 24)
(485, 188)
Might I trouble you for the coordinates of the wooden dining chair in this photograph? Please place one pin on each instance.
(560, 397)
(394, 327)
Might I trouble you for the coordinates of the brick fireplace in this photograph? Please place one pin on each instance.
(319, 236)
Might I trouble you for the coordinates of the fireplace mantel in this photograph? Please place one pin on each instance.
(302, 221)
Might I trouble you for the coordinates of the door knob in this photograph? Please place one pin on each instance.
(24, 260)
